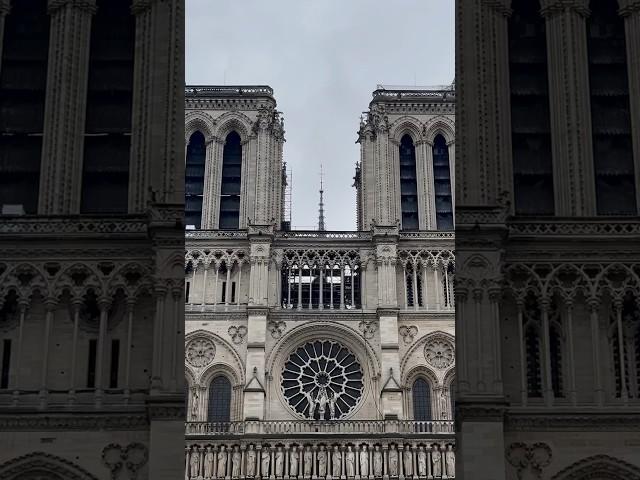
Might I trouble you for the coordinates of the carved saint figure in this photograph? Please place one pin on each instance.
(312, 404)
(194, 462)
(322, 400)
(364, 462)
(332, 406)
(436, 458)
(408, 462)
(450, 459)
(265, 458)
(393, 461)
(251, 461)
(308, 462)
(194, 404)
(236, 457)
(336, 460)
(422, 462)
(222, 463)
(322, 462)
(279, 462)
(208, 463)
(293, 461)
(350, 458)
(377, 461)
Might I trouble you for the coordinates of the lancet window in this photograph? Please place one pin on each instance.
(230, 183)
(610, 115)
(23, 81)
(624, 339)
(219, 400)
(107, 140)
(442, 184)
(421, 395)
(530, 117)
(194, 180)
(323, 279)
(428, 279)
(408, 184)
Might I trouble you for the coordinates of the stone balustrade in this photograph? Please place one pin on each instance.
(316, 459)
(285, 427)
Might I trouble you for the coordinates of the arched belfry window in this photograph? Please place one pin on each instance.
(219, 400)
(610, 110)
(408, 184)
(421, 394)
(442, 184)
(231, 180)
(23, 82)
(194, 180)
(530, 117)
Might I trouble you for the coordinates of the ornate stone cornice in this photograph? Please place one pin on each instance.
(502, 7)
(555, 7)
(15, 421)
(88, 6)
(629, 7)
(584, 422)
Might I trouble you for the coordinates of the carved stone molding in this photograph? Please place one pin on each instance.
(532, 458)
(132, 457)
(200, 352)
(439, 351)
(599, 466)
(276, 328)
(368, 328)
(408, 333)
(40, 461)
(237, 333)
(75, 421)
(554, 7)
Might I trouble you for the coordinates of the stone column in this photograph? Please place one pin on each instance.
(65, 107)
(570, 108)
(630, 11)
(23, 306)
(104, 304)
(5, 9)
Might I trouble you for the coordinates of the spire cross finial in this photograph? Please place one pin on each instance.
(321, 226)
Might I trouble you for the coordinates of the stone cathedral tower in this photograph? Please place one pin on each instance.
(294, 337)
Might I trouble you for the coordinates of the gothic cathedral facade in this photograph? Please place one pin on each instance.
(319, 354)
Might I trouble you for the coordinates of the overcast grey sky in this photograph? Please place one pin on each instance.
(323, 59)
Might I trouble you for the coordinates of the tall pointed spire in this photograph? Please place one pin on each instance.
(321, 226)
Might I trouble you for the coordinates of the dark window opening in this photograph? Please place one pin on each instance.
(530, 116)
(421, 400)
(91, 364)
(555, 340)
(233, 292)
(194, 179)
(6, 363)
(23, 83)
(442, 184)
(534, 374)
(231, 181)
(408, 184)
(107, 144)
(115, 364)
(219, 400)
(610, 111)
(224, 292)
(186, 292)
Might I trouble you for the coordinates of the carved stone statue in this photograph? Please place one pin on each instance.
(251, 462)
(436, 458)
(364, 462)
(222, 463)
(308, 462)
(312, 404)
(332, 406)
(393, 461)
(237, 458)
(350, 458)
(265, 458)
(336, 460)
(377, 461)
(408, 462)
(279, 462)
(322, 462)
(293, 461)
(208, 463)
(322, 400)
(194, 463)
(422, 462)
(450, 459)
(194, 404)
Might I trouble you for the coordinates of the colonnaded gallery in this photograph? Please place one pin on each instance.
(319, 354)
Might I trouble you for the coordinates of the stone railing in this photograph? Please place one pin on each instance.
(318, 459)
(286, 427)
(346, 235)
(428, 235)
(217, 91)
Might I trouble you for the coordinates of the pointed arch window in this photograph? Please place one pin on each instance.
(408, 184)
(219, 400)
(421, 400)
(610, 110)
(530, 117)
(442, 184)
(231, 182)
(194, 180)
(107, 140)
(23, 81)
(624, 338)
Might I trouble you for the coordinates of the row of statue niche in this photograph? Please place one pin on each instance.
(322, 402)
(329, 462)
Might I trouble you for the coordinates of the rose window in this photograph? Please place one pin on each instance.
(439, 353)
(322, 380)
(200, 352)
